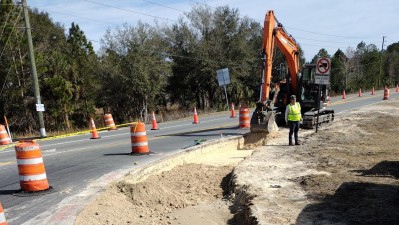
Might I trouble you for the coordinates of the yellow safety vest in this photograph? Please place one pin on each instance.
(295, 112)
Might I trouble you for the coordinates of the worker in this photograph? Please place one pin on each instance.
(293, 117)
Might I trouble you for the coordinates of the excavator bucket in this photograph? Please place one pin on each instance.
(263, 122)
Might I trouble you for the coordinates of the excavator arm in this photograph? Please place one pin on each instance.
(274, 35)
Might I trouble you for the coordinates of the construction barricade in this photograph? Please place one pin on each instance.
(244, 120)
(4, 137)
(138, 136)
(109, 122)
(386, 94)
(32, 174)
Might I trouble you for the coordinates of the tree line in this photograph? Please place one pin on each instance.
(142, 68)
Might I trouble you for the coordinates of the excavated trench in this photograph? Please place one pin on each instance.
(197, 186)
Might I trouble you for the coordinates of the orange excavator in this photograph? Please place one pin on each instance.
(273, 99)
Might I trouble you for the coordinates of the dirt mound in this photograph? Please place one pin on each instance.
(176, 189)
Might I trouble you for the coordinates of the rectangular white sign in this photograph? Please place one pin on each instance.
(40, 107)
(223, 76)
(322, 79)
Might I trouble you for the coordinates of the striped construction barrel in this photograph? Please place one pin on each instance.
(109, 122)
(244, 119)
(4, 137)
(2, 216)
(32, 174)
(386, 94)
(139, 138)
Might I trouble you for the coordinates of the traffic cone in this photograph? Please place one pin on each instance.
(343, 95)
(360, 92)
(196, 121)
(233, 113)
(372, 91)
(2, 217)
(397, 88)
(94, 134)
(154, 122)
(4, 137)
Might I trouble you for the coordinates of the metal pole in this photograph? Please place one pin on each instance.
(318, 108)
(382, 49)
(33, 68)
(227, 100)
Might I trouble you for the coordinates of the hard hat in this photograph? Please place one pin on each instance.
(293, 97)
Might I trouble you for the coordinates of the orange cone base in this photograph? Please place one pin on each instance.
(155, 128)
(34, 186)
(112, 128)
(140, 149)
(142, 153)
(23, 193)
(98, 137)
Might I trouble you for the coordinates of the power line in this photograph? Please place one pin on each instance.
(340, 42)
(6, 22)
(165, 6)
(12, 30)
(81, 17)
(331, 35)
(127, 10)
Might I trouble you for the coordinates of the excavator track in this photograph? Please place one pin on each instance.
(310, 118)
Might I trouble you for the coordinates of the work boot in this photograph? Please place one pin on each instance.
(298, 143)
(291, 144)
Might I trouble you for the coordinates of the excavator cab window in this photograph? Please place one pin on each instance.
(309, 89)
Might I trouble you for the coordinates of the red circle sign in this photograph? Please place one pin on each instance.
(323, 66)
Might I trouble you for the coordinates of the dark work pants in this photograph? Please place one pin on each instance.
(294, 127)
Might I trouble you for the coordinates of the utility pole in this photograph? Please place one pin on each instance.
(382, 49)
(33, 70)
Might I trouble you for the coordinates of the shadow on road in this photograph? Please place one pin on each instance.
(202, 133)
(355, 203)
(7, 192)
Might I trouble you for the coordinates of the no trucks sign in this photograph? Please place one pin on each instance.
(323, 68)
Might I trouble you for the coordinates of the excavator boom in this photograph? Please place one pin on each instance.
(263, 119)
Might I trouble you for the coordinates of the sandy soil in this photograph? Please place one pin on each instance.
(195, 193)
(345, 174)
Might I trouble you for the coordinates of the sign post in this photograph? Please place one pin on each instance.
(223, 80)
(322, 77)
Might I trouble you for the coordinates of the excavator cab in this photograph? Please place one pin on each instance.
(309, 91)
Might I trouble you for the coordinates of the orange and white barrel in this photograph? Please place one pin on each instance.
(138, 136)
(2, 216)
(4, 137)
(109, 122)
(386, 94)
(32, 174)
(244, 119)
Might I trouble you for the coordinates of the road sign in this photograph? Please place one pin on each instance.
(223, 76)
(40, 107)
(323, 68)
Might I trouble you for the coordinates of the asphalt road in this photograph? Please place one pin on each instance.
(73, 163)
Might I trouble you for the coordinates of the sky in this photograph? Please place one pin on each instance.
(315, 24)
